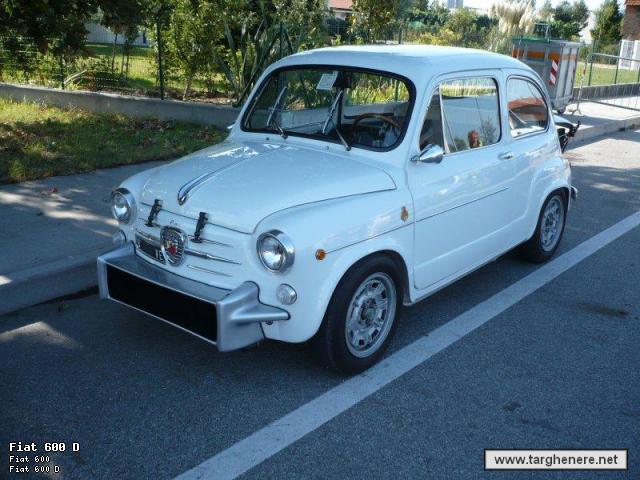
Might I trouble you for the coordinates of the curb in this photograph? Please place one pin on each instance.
(34, 285)
(605, 128)
(75, 273)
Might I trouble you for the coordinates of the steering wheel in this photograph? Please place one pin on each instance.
(377, 116)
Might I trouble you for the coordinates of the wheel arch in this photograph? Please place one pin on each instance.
(396, 258)
(564, 188)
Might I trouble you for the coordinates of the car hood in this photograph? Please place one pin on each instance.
(239, 184)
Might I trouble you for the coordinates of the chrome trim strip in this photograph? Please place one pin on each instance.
(208, 256)
(212, 242)
(188, 251)
(206, 270)
(148, 237)
(372, 237)
(463, 204)
(185, 190)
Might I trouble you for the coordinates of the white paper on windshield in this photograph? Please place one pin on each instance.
(326, 81)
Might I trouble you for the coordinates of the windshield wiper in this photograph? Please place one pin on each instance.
(281, 130)
(272, 114)
(332, 111)
(329, 119)
(347, 147)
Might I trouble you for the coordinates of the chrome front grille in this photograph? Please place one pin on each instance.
(173, 243)
(217, 253)
(150, 246)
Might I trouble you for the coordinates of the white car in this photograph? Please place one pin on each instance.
(355, 180)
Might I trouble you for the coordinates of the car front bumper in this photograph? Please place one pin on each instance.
(230, 319)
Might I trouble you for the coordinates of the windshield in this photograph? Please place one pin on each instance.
(357, 108)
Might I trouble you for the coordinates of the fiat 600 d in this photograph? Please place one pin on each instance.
(355, 180)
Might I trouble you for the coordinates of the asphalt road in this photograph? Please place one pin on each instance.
(559, 369)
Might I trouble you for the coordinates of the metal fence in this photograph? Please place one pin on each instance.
(608, 69)
(610, 79)
(106, 67)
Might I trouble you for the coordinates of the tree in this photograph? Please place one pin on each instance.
(303, 20)
(432, 15)
(124, 17)
(378, 19)
(49, 25)
(608, 22)
(569, 19)
(462, 20)
(193, 33)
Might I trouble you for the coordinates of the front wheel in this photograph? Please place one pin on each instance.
(360, 319)
(546, 238)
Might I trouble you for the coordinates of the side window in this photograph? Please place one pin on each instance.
(471, 113)
(527, 110)
(431, 133)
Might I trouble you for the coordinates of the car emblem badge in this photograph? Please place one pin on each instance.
(173, 241)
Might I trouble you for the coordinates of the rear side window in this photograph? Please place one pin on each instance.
(470, 113)
(527, 109)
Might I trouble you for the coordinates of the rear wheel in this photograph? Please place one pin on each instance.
(546, 238)
(360, 319)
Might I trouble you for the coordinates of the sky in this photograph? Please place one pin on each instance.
(592, 4)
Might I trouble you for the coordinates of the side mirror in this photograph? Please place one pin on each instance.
(431, 154)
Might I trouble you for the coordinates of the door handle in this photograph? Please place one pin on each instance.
(506, 156)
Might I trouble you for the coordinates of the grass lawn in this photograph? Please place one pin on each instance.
(142, 68)
(605, 75)
(38, 141)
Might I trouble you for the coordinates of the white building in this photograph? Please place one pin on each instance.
(100, 34)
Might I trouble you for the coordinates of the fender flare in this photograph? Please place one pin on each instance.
(555, 186)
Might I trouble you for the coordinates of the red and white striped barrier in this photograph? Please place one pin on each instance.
(553, 74)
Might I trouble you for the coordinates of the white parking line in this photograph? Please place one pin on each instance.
(268, 441)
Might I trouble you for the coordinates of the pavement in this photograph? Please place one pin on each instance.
(555, 367)
(603, 118)
(53, 230)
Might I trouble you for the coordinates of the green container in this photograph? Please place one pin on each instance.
(555, 61)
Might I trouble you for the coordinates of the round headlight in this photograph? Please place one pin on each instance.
(275, 251)
(123, 205)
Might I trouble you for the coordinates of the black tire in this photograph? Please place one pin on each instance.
(533, 249)
(331, 339)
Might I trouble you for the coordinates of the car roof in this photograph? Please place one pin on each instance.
(411, 61)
